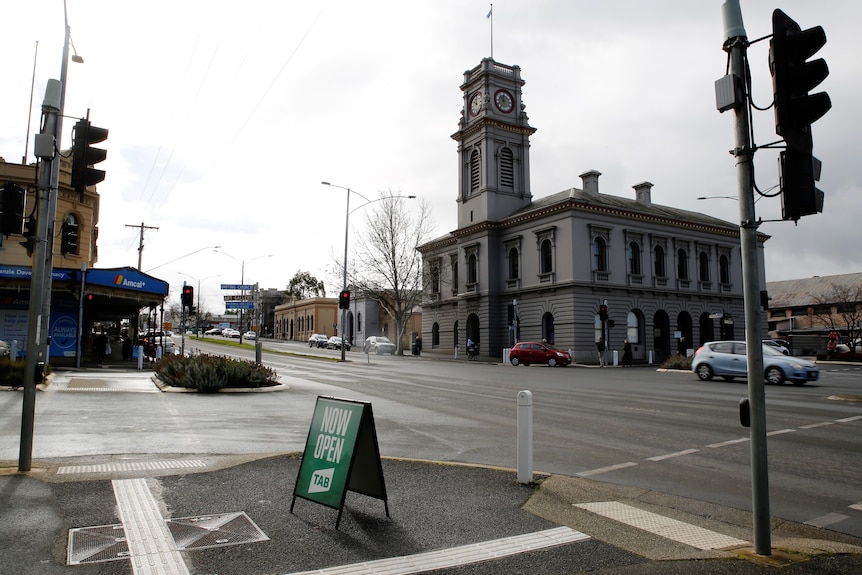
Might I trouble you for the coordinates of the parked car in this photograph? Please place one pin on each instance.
(151, 340)
(527, 352)
(727, 359)
(317, 340)
(249, 335)
(213, 331)
(379, 345)
(4, 349)
(334, 342)
(231, 333)
(773, 343)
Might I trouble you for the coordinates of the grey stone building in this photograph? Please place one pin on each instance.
(522, 269)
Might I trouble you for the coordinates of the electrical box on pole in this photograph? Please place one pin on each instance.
(793, 77)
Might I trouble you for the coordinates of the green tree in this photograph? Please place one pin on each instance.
(303, 285)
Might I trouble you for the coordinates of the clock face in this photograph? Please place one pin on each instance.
(476, 103)
(504, 101)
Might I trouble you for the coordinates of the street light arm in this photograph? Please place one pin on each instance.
(380, 199)
(182, 257)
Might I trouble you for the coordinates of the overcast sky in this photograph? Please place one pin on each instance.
(224, 117)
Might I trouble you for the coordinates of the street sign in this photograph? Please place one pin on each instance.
(239, 305)
(246, 297)
(244, 287)
(341, 454)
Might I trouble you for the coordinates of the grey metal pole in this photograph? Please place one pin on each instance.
(737, 45)
(78, 347)
(344, 311)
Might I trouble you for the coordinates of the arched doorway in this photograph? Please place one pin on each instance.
(684, 326)
(661, 335)
(473, 328)
(548, 327)
(707, 328)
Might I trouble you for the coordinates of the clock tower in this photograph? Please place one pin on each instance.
(493, 145)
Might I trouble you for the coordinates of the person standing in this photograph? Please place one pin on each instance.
(627, 354)
(600, 346)
(681, 346)
(101, 343)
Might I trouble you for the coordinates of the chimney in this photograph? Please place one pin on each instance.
(591, 182)
(643, 193)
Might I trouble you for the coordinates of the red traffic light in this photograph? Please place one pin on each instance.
(344, 299)
(603, 312)
(188, 297)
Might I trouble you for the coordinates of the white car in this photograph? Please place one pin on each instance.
(777, 346)
(379, 344)
(249, 335)
(228, 332)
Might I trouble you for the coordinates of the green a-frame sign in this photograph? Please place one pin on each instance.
(341, 454)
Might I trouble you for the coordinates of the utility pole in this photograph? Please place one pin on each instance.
(141, 240)
(732, 94)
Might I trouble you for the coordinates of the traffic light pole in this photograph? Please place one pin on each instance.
(737, 45)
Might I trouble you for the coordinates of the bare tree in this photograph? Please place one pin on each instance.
(839, 310)
(388, 267)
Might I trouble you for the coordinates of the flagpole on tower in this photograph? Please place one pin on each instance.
(490, 17)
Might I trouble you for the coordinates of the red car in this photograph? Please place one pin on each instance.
(528, 352)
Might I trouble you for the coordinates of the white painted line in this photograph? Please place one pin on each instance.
(457, 556)
(780, 432)
(666, 527)
(849, 419)
(131, 466)
(856, 506)
(815, 425)
(826, 520)
(729, 442)
(152, 549)
(605, 469)
(670, 455)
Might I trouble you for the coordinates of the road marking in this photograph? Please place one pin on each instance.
(815, 425)
(849, 419)
(826, 520)
(666, 527)
(670, 455)
(856, 506)
(605, 469)
(152, 549)
(131, 466)
(729, 442)
(780, 432)
(457, 556)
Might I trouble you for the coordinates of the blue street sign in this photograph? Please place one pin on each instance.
(245, 287)
(239, 305)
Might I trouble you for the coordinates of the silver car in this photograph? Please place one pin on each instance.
(379, 344)
(727, 359)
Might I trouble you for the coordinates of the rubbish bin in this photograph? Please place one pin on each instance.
(415, 349)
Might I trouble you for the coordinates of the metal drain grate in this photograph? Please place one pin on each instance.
(108, 542)
(97, 544)
(215, 531)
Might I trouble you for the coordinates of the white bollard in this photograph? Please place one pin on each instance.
(650, 357)
(140, 357)
(506, 351)
(616, 357)
(525, 437)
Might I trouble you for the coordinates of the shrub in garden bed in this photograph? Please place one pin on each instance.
(210, 373)
(677, 362)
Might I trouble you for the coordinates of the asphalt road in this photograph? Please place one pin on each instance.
(636, 427)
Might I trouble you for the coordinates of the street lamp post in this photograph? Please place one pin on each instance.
(348, 211)
(718, 198)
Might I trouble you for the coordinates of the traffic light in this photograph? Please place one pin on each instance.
(84, 156)
(11, 209)
(603, 312)
(29, 235)
(69, 238)
(344, 299)
(188, 297)
(793, 77)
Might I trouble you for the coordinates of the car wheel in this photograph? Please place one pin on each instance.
(515, 361)
(774, 376)
(704, 372)
(527, 364)
(552, 362)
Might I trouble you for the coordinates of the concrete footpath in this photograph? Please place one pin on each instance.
(208, 515)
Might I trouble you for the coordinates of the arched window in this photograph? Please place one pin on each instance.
(435, 279)
(681, 264)
(435, 334)
(507, 168)
(514, 271)
(311, 323)
(475, 171)
(600, 255)
(724, 269)
(703, 267)
(547, 257)
(472, 269)
(634, 259)
(659, 268)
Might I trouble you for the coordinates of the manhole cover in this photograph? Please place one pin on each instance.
(97, 544)
(214, 531)
(108, 542)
